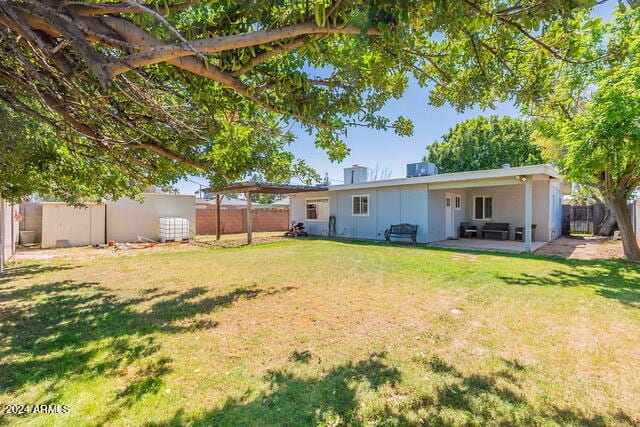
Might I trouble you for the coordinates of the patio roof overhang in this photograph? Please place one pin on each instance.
(265, 188)
(250, 188)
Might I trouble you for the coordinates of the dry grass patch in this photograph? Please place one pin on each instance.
(317, 332)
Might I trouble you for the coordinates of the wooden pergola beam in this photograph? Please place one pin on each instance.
(218, 202)
(250, 188)
(249, 219)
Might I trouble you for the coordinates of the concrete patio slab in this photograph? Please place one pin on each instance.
(509, 246)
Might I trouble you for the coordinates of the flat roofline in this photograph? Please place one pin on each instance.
(114, 201)
(543, 169)
(265, 188)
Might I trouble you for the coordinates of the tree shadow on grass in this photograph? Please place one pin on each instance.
(616, 280)
(495, 398)
(27, 271)
(53, 331)
(292, 400)
(452, 397)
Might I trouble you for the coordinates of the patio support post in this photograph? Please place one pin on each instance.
(218, 201)
(249, 218)
(528, 207)
(426, 215)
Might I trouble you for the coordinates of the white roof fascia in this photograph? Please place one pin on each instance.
(456, 176)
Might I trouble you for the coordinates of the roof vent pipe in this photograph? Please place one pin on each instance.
(506, 166)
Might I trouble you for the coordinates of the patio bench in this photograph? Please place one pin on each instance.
(401, 231)
(500, 229)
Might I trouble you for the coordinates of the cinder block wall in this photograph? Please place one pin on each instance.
(234, 219)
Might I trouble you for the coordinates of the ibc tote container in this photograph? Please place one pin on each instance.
(174, 229)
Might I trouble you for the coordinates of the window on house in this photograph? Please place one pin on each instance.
(361, 205)
(317, 209)
(458, 203)
(483, 207)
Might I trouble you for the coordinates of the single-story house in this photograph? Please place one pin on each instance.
(437, 203)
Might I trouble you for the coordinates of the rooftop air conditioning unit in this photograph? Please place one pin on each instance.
(421, 169)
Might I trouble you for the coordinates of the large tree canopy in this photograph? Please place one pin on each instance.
(591, 123)
(153, 91)
(485, 143)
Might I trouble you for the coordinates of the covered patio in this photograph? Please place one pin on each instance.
(490, 245)
(495, 213)
(250, 188)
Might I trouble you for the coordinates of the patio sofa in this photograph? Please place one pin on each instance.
(499, 229)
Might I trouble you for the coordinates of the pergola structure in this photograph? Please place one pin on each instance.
(249, 188)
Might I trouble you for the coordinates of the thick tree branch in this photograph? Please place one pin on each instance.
(195, 66)
(133, 34)
(235, 41)
(269, 54)
(87, 9)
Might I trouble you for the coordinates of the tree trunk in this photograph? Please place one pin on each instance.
(606, 228)
(618, 206)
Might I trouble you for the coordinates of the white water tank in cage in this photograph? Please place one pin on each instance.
(174, 229)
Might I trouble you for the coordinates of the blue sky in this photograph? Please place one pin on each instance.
(383, 148)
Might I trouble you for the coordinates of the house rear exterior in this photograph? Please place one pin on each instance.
(437, 203)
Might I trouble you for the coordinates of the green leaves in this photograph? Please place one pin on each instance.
(594, 116)
(224, 114)
(485, 143)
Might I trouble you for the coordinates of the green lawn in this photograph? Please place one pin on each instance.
(318, 332)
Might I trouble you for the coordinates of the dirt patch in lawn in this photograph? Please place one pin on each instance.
(199, 242)
(583, 247)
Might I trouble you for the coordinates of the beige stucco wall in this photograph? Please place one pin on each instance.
(508, 206)
(637, 219)
(32, 218)
(437, 212)
(127, 219)
(80, 226)
(10, 229)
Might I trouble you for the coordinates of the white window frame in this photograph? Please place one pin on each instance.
(484, 207)
(457, 198)
(368, 206)
(317, 219)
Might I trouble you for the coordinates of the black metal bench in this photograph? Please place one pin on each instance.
(401, 231)
(500, 229)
